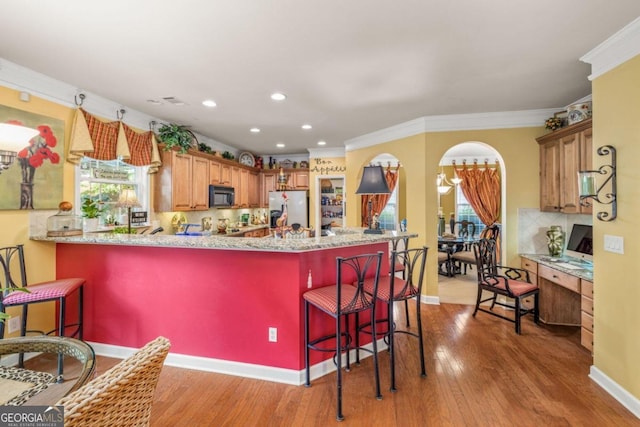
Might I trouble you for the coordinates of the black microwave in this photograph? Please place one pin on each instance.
(220, 197)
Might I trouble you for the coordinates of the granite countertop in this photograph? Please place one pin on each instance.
(569, 265)
(343, 237)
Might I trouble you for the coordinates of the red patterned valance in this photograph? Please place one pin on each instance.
(97, 139)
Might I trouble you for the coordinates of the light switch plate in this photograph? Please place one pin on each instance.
(614, 244)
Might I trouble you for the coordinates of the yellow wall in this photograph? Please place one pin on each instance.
(420, 156)
(40, 257)
(616, 289)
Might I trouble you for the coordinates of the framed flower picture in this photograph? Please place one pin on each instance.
(34, 180)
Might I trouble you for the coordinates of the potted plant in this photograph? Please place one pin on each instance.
(173, 135)
(91, 212)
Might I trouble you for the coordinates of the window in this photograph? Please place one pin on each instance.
(103, 181)
(389, 216)
(464, 211)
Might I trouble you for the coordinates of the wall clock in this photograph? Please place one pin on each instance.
(247, 159)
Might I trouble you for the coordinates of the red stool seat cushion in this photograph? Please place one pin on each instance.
(44, 291)
(325, 298)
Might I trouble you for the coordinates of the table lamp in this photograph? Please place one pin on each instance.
(128, 199)
(373, 182)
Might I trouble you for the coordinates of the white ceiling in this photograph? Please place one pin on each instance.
(348, 67)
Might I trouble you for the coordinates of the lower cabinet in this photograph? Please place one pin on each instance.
(586, 331)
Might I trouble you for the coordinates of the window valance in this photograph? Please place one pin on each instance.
(103, 140)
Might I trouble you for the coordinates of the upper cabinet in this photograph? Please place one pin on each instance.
(182, 183)
(563, 153)
(298, 179)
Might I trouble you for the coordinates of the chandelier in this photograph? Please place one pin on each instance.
(444, 184)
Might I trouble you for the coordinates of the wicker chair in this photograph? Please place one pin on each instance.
(123, 395)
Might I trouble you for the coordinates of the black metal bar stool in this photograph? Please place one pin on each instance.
(12, 259)
(346, 297)
(391, 289)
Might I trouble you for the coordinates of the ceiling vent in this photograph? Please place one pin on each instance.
(173, 100)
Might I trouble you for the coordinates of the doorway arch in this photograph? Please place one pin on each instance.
(470, 152)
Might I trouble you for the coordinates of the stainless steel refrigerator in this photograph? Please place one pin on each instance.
(297, 206)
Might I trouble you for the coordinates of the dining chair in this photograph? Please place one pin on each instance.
(22, 293)
(462, 256)
(393, 289)
(339, 301)
(123, 395)
(510, 282)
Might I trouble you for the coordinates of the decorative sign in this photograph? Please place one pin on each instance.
(138, 217)
(325, 167)
(111, 174)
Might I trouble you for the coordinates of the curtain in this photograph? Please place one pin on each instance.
(481, 187)
(379, 201)
(101, 140)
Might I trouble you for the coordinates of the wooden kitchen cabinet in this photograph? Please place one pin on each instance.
(532, 268)
(254, 189)
(298, 179)
(214, 173)
(563, 153)
(268, 182)
(182, 183)
(586, 319)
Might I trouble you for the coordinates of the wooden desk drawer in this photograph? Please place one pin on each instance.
(586, 339)
(529, 265)
(586, 321)
(586, 305)
(563, 279)
(586, 287)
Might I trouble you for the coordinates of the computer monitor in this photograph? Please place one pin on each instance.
(580, 244)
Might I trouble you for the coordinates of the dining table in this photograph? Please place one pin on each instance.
(32, 385)
(453, 244)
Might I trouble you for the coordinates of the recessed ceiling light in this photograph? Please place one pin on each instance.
(306, 126)
(209, 103)
(254, 130)
(280, 145)
(154, 101)
(322, 143)
(277, 96)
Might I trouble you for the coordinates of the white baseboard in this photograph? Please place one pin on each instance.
(246, 370)
(627, 400)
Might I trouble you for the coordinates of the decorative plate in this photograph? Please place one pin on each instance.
(247, 159)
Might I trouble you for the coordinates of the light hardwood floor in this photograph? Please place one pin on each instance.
(479, 373)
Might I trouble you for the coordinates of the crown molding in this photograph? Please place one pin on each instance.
(616, 50)
(325, 153)
(453, 122)
(23, 79)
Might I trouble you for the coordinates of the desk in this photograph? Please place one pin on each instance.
(566, 292)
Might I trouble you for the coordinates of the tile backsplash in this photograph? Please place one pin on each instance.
(533, 225)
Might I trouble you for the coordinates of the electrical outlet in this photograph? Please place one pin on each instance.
(273, 334)
(14, 324)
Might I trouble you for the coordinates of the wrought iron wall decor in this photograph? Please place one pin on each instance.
(605, 192)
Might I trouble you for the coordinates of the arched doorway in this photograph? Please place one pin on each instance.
(462, 288)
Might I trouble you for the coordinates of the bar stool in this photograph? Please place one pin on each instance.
(12, 260)
(339, 301)
(392, 289)
(399, 267)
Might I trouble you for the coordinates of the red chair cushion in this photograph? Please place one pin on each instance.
(384, 288)
(44, 291)
(325, 298)
(517, 287)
